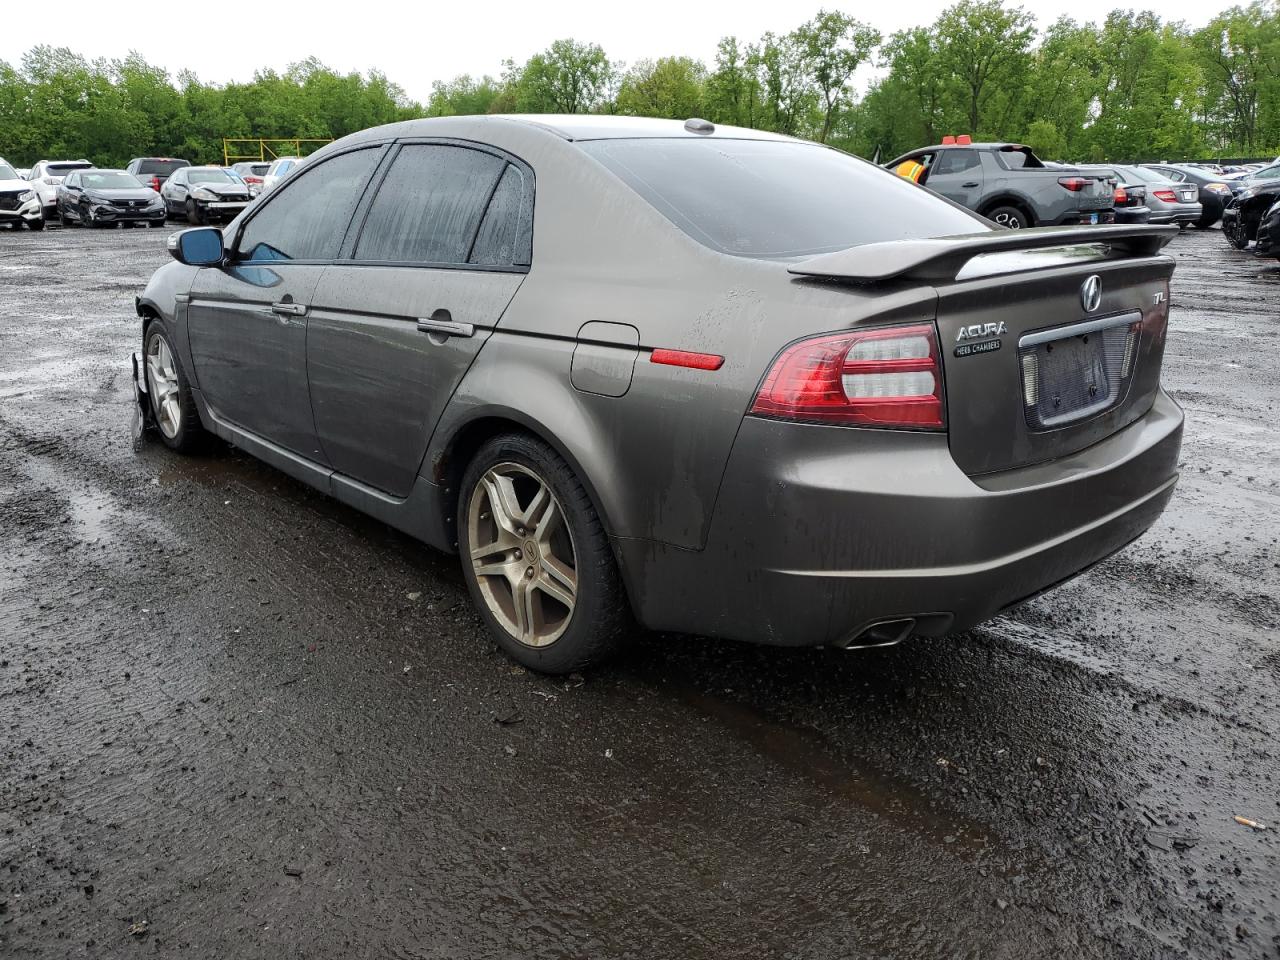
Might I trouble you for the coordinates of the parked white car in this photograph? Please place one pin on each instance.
(19, 203)
(279, 169)
(45, 177)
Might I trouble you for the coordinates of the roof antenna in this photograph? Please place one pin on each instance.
(698, 125)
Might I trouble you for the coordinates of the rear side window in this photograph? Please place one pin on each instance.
(307, 217)
(776, 199)
(503, 239)
(428, 208)
(956, 161)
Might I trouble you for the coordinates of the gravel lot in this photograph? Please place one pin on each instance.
(241, 720)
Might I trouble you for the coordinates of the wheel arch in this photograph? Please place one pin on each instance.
(1011, 200)
(453, 451)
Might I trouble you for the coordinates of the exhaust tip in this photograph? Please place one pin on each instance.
(883, 633)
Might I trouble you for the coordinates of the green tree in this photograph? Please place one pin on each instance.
(833, 45)
(673, 87)
(463, 96)
(567, 77)
(986, 48)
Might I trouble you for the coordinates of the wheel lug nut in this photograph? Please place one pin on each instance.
(529, 572)
(519, 555)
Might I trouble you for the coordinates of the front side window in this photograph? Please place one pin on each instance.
(774, 199)
(428, 208)
(307, 218)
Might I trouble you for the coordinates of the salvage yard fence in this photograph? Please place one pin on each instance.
(237, 150)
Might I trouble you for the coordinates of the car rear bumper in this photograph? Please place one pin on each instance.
(1133, 215)
(1182, 213)
(1084, 217)
(821, 533)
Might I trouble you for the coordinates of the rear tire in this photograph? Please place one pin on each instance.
(1009, 217)
(169, 394)
(530, 539)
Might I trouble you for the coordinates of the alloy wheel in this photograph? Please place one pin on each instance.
(162, 381)
(522, 554)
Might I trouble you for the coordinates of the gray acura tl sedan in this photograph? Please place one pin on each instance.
(706, 379)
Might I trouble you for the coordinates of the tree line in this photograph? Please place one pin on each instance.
(1133, 87)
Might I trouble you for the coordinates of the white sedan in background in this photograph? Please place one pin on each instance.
(279, 169)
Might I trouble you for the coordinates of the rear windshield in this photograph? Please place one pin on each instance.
(776, 199)
(113, 180)
(1149, 176)
(1018, 158)
(62, 169)
(161, 167)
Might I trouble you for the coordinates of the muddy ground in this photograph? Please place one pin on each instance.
(241, 720)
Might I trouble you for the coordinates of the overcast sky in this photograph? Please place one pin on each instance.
(416, 43)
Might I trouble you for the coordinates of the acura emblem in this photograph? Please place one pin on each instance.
(1091, 293)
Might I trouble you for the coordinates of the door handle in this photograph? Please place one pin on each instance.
(448, 328)
(289, 309)
(971, 183)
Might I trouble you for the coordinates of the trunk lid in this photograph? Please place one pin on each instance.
(1032, 373)
(1051, 339)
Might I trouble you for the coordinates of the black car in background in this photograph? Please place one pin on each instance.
(103, 198)
(1268, 236)
(1215, 192)
(1242, 220)
(204, 194)
(154, 171)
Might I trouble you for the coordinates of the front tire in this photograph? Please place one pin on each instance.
(169, 394)
(536, 557)
(1010, 217)
(194, 215)
(1237, 235)
(35, 224)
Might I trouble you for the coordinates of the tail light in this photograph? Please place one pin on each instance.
(883, 377)
(1074, 184)
(1168, 196)
(1121, 196)
(155, 184)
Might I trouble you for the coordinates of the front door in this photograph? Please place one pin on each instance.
(398, 321)
(248, 319)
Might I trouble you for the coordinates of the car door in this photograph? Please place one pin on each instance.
(247, 320)
(957, 175)
(174, 192)
(69, 195)
(443, 247)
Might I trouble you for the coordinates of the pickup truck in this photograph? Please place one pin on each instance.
(1009, 184)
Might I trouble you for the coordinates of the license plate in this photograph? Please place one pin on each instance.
(1093, 219)
(1187, 195)
(1070, 378)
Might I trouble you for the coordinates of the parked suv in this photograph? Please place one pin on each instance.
(154, 171)
(885, 438)
(1009, 184)
(19, 202)
(45, 178)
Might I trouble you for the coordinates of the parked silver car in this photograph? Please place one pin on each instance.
(724, 381)
(1170, 202)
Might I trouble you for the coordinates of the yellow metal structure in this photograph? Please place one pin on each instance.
(237, 149)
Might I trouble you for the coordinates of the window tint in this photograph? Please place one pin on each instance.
(767, 198)
(956, 161)
(307, 218)
(501, 240)
(429, 206)
(161, 167)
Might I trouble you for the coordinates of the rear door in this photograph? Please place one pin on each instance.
(957, 175)
(247, 321)
(1045, 361)
(443, 247)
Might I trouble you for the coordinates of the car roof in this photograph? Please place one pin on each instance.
(104, 170)
(586, 126)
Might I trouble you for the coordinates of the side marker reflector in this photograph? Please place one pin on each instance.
(683, 358)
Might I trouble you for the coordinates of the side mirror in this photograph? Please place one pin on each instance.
(198, 247)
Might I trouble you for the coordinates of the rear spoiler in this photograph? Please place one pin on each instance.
(940, 258)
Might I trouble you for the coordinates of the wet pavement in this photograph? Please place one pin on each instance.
(242, 720)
